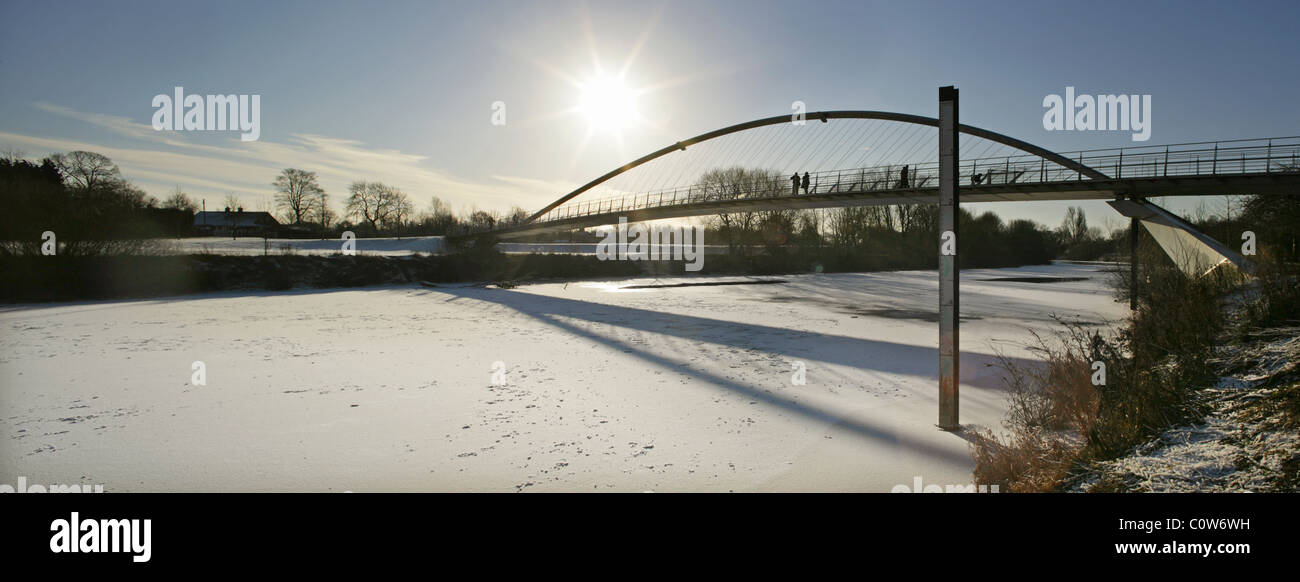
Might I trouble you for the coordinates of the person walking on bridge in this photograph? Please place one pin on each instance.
(805, 182)
(794, 184)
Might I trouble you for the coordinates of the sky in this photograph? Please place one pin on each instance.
(404, 92)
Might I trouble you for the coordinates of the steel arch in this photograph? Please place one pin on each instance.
(825, 116)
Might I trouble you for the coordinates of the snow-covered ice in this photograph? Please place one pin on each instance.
(605, 389)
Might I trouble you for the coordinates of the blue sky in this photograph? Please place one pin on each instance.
(401, 91)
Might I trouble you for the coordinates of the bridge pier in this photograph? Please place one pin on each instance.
(949, 269)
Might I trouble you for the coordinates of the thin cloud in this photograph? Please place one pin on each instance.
(248, 168)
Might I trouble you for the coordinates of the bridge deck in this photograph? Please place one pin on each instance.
(1216, 168)
(601, 214)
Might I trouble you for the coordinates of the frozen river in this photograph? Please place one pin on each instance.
(584, 386)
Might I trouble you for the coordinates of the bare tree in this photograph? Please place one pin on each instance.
(378, 204)
(439, 219)
(731, 184)
(87, 170)
(516, 216)
(179, 200)
(1074, 229)
(232, 201)
(482, 220)
(297, 192)
(401, 208)
(322, 214)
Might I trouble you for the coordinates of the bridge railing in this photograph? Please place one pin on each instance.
(1172, 161)
(1255, 156)
(1000, 170)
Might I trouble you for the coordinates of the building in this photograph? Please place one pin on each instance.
(235, 223)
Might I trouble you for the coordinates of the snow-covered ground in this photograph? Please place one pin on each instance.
(1234, 448)
(604, 389)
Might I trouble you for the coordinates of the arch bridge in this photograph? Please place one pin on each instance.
(884, 161)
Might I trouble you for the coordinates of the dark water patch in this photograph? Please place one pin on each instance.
(860, 311)
(1037, 279)
(892, 313)
(705, 284)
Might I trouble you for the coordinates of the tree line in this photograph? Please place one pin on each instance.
(84, 198)
(884, 237)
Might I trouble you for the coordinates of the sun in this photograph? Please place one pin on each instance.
(608, 103)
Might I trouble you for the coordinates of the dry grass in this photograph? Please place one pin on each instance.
(1059, 420)
(1051, 408)
(1027, 462)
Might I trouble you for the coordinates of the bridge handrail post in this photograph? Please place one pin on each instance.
(1214, 166)
(1042, 170)
(1119, 164)
(1166, 161)
(1268, 158)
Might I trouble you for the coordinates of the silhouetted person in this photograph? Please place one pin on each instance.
(976, 179)
(805, 182)
(902, 178)
(794, 184)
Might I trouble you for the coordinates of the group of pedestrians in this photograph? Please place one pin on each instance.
(795, 182)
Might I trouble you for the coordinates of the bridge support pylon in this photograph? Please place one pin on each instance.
(949, 269)
(1134, 231)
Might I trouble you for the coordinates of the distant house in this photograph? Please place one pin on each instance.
(235, 222)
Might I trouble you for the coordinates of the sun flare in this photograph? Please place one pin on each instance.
(608, 104)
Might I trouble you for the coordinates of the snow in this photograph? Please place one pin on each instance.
(1230, 450)
(605, 389)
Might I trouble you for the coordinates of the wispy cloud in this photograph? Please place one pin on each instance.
(159, 160)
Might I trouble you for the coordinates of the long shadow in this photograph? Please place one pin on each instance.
(855, 352)
(900, 358)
